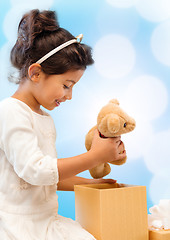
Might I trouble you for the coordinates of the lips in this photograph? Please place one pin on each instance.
(57, 103)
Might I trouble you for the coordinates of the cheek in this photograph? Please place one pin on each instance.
(44, 92)
(55, 92)
(50, 90)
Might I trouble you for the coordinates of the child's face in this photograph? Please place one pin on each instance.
(51, 90)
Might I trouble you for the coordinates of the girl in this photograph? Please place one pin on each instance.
(50, 61)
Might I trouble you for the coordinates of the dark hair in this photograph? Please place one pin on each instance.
(38, 34)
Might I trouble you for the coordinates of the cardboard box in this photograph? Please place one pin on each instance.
(112, 211)
(159, 235)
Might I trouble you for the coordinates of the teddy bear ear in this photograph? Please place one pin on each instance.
(115, 101)
(109, 125)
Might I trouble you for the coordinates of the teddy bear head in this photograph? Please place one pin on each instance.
(112, 121)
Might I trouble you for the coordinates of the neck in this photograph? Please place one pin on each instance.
(26, 96)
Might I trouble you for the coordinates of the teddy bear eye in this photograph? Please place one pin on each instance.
(124, 125)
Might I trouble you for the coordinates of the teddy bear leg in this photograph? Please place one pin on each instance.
(100, 171)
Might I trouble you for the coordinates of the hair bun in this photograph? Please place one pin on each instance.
(34, 23)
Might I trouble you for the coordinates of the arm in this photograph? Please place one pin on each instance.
(68, 184)
(101, 150)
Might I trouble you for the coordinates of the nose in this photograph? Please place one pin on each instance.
(68, 96)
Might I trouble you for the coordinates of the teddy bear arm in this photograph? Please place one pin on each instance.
(89, 138)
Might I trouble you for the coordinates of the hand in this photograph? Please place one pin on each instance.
(102, 180)
(107, 149)
(121, 149)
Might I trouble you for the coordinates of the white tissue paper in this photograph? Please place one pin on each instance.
(160, 215)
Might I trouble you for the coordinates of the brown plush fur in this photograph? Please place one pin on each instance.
(112, 121)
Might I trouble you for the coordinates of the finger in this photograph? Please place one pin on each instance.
(121, 147)
(108, 180)
(96, 134)
(117, 139)
(111, 180)
(122, 155)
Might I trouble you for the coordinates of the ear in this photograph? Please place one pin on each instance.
(113, 123)
(34, 72)
(109, 125)
(115, 101)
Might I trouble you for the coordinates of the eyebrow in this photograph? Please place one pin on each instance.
(71, 81)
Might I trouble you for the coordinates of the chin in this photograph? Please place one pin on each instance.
(48, 107)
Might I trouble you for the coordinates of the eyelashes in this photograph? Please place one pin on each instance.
(66, 87)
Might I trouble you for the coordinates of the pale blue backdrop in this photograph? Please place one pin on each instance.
(131, 48)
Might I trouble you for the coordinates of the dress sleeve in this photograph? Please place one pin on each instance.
(20, 144)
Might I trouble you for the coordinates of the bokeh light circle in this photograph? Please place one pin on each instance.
(154, 10)
(114, 56)
(160, 43)
(157, 155)
(159, 188)
(147, 97)
(121, 3)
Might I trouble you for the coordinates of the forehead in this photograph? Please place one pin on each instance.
(70, 76)
(73, 76)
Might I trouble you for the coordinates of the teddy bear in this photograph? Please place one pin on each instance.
(112, 121)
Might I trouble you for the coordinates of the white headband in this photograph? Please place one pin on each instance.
(77, 39)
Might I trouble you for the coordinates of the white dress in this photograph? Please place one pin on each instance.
(29, 177)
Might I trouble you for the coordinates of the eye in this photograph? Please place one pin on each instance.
(66, 87)
(124, 125)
